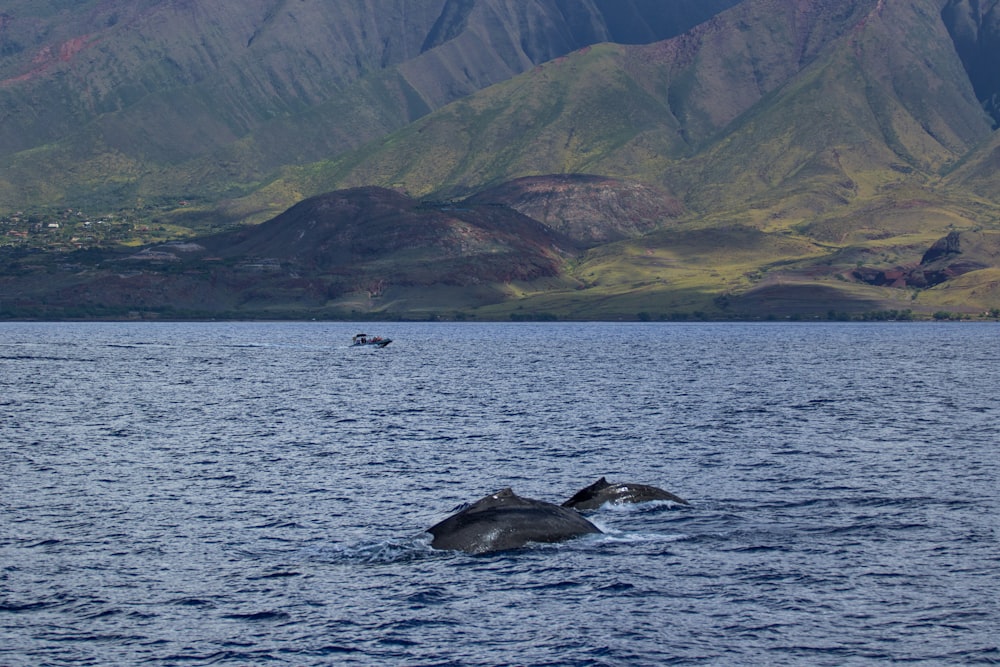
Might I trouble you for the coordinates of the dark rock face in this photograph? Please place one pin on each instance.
(954, 255)
(503, 521)
(974, 26)
(645, 21)
(949, 245)
(602, 492)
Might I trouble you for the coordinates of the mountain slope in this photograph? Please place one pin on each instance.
(783, 158)
(880, 82)
(349, 231)
(978, 173)
(889, 103)
(106, 101)
(359, 250)
(592, 210)
(842, 141)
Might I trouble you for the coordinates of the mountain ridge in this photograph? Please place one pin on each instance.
(180, 100)
(775, 151)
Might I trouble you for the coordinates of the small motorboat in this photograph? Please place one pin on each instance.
(361, 339)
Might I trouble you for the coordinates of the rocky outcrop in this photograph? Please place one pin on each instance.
(949, 246)
(954, 255)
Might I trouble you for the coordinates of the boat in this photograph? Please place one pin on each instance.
(361, 339)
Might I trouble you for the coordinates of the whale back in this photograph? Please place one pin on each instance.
(601, 492)
(503, 521)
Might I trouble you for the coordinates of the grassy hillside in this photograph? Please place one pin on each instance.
(845, 134)
(783, 159)
(106, 104)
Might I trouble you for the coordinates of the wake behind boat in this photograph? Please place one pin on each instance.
(361, 339)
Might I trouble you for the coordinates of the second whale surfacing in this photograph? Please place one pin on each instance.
(505, 520)
(602, 491)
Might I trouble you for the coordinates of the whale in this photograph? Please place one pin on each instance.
(503, 521)
(602, 492)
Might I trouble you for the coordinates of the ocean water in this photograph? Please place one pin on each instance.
(256, 493)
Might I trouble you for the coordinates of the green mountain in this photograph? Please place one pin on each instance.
(751, 104)
(842, 133)
(108, 104)
(779, 159)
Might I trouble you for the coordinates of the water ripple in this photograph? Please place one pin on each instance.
(250, 493)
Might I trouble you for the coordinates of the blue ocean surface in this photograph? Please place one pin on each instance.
(257, 493)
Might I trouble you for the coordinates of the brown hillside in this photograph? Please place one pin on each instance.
(589, 209)
(386, 235)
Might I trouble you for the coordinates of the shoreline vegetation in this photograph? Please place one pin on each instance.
(164, 315)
